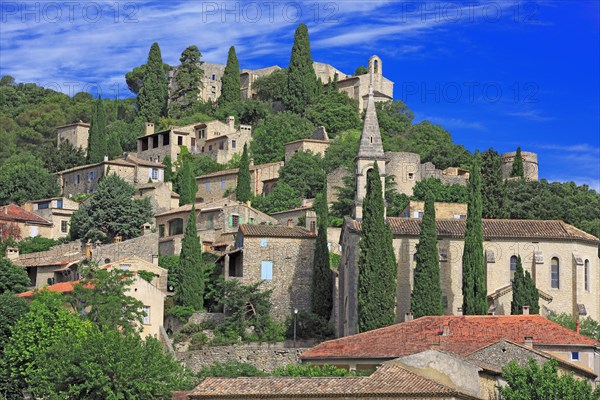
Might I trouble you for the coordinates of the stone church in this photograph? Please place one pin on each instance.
(562, 259)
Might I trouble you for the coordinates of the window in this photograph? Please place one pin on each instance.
(59, 203)
(64, 226)
(193, 142)
(77, 179)
(161, 230)
(213, 77)
(144, 144)
(166, 138)
(44, 205)
(210, 147)
(586, 275)
(223, 182)
(234, 221)
(176, 227)
(124, 267)
(155, 142)
(155, 174)
(211, 222)
(146, 318)
(233, 144)
(554, 273)
(313, 226)
(575, 356)
(207, 186)
(263, 242)
(221, 145)
(266, 270)
(179, 140)
(513, 268)
(411, 176)
(415, 260)
(201, 134)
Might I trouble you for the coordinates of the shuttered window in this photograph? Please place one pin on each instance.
(266, 270)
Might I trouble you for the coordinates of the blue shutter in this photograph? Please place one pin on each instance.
(266, 270)
(263, 242)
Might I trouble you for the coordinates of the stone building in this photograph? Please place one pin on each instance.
(530, 165)
(57, 210)
(162, 197)
(215, 139)
(77, 134)
(85, 178)
(216, 223)
(294, 216)
(415, 209)
(18, 223)
(280, 257)
(317, 143)
(216, 185)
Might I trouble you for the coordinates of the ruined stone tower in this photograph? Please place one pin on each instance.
(530, 165)
(370, 151)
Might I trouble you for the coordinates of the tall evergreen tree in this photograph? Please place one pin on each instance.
(473, 284)
(187, 183)
(168, 168)
(113, 146)
(97, 142)
(322, 295)
(243, 192)
(520, 295)
(302, 83)
(517, 167)
(152, 97)
(189, 276)
(377, 267)
(493, 189)
(426, 298)
(188, 82)
(230, 82)
(533, 295)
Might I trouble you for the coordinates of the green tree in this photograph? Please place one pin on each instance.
(342, 151)
(588, 326)
(533, 382)
(13, 279)
(98, 142)
(64, 157)
(272, 87)
(153, 95)
(473, 282)
(35, 244)
(105, 364)
(493, 190)
(230, 82)
(360, 70)
(230, 369)
(135, 77)
(441, 193)
(394, 117)
(12, 308)
(519, 290)
(376, 264)
(243, 192)
(111, 212)
(305, 174)
(322, 284)
(302, 84)
(188, 82)
(426, 298)
(168, 168)
(283, 197)
(187, 183)
(335, 111)
(533, 295)
(189, 276)
(113, 147)
(24, 178)
(517, 167)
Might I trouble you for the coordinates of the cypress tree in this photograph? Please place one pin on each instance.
(377, 269)
(493, 189)
(230, 82)
(189, 276)
(533, 296)
(473, 284)
(322, 295)
(243, 192)
(426, 298)
(152, 97)
(97, 142)
(188, 81)
(517, 167)
(187, 183)
(168, 168)
(302, 84)
(520, 295)
(113, 146)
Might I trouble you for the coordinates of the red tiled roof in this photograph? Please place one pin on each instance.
(465, 335)
(389, 380)
(62, 287)
(492, 228)
(13, 212)
(275, 231)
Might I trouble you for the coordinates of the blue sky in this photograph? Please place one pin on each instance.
(494, 73)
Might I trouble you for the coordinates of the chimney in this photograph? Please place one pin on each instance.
(155, 259)
(251, 162)
(12, 253)
(528, 341)
(408, 317)
(577, 325)
(105, 158)
(231, 123)
(311, 221)
(525, 310)
(290, 222)
(248, 203)
(149, 128)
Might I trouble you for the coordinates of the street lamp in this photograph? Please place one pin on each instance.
(295, 323)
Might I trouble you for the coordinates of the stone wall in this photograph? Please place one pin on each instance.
(530, 165)
(144, 247)
(335, 179)
(405, 168)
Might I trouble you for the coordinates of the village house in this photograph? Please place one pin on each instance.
(18, 223)
(162, 197)
(216, 224)
(219, 184)
(281, 257)
(316, 143)
(77, 134)
(294, 216)
(415, 209)
(215, 139)
(85, 178)
(57, 210)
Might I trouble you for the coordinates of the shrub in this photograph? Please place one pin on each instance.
(309, 326)
(199, 340)
(182, 313)
(189, 329)
(230, 369)
(307, 370)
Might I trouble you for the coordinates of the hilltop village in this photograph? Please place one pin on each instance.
(242, 232)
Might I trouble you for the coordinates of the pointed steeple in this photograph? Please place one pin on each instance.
(371, 146)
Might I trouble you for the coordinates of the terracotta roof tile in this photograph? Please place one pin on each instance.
(466, 334)
(62, 287)
(14, 213)
(275, 231)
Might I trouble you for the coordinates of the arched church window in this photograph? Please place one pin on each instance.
(554, 273)
(513, 268)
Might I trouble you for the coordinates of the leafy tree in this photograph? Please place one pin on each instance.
(283, 197)
(64, 157)
(426, 298)
(335, 111)
(434, 144)
(272, 133)
(247, 112)
(189, 280)
(532, 382)
(345, 201)
(35, 244)
(376, 264)
(309, 325)
(188, 82)
(519, 291)
(305, 174)
(170, 263)
(493, 190)
(517, 167)
(588, 326)
(111, 212)
(322, 284)
(116, 366)
(230, 82)
(394, 117)
(441, 193)
(168, 168)
(13, 279)
(23, 178)
(360, 70)
(152, 97)
(272, 87)
(135, 77)
(187, 183)
(98, 141)
(312, 371)
(302, 84)
(101, 298)
(396, 202)
(342, 151)
(473, 284)
(113, 147)
(229, 369)
(243, 192)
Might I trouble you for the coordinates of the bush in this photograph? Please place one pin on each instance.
(199, 340)
(182, 313)
(311, 371)
(225, 338)
(189, 329)
(230, 369)
(309, 326)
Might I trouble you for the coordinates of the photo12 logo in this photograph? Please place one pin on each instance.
(268, 11)
(470, 92)
(69, 12)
